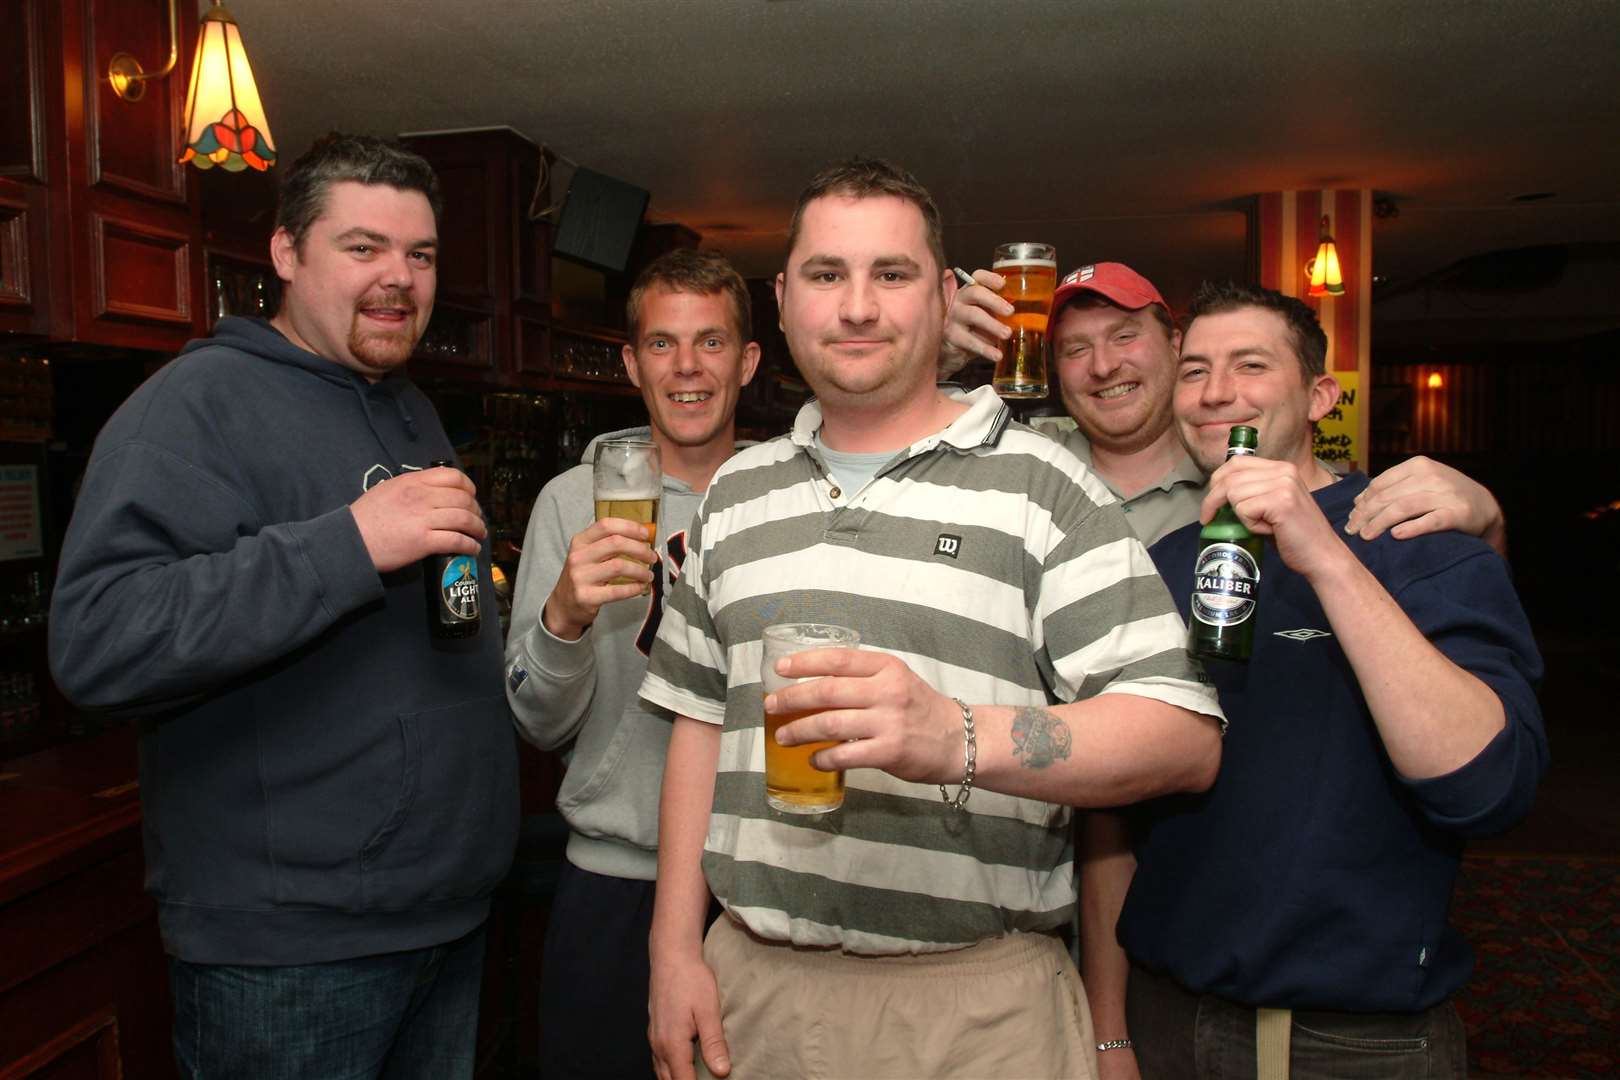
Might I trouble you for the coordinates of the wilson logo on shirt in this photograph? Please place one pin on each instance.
(1304, 633)
(948, 545)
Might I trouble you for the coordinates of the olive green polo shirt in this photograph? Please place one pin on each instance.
(1158, 509)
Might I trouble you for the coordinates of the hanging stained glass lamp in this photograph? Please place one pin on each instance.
(225, 122)
(1326, 277)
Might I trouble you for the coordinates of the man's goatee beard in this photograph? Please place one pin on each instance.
(382, 350)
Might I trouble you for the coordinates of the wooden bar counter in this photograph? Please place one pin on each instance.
(83, 980)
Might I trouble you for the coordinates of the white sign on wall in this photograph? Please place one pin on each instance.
(20, 533)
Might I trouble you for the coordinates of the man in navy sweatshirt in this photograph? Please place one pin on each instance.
(1293, 917)
(329, 795)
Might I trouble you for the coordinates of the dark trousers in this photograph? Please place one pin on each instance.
(593, 979)
(401, 1016)
(1179, 1034)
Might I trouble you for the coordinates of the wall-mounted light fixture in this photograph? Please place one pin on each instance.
(124, 71)
(1435, 381)
(1324, 274)
(225, 123)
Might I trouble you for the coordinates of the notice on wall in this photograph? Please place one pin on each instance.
(20, 534)
(1336, 432)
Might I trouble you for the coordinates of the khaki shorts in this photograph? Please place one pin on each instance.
(1007, 1009)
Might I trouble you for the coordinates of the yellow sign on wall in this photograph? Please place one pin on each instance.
(1336, 432)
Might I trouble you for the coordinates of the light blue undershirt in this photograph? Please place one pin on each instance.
(851, 472)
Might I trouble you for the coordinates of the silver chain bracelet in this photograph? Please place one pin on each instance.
(1115, 1044)
(970, 754)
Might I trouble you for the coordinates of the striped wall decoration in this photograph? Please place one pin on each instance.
(1285, 229)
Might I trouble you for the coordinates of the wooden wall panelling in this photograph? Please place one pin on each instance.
(486, 247)
(137, 278)
(16, 278)
(531, 348)
(531, 239)
(24, 216)
(22, 91)
(133, 146)
(54, 257)
(140, 272)
(468, 263)
(83, 979)
(110, 999)
(88, 1049)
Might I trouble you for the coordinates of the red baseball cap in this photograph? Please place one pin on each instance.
(1114, 282)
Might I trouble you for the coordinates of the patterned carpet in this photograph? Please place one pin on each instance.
(1545, 997)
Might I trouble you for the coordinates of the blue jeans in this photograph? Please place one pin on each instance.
(1179, 1034)
(399, 1016)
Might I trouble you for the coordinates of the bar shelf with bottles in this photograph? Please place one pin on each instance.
(239, 286)
(27, 398)
(33, 714)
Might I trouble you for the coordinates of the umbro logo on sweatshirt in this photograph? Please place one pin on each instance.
(1304, 633)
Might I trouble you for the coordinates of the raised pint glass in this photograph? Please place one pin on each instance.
(792, 784)
(1030, 271)
(627, 478)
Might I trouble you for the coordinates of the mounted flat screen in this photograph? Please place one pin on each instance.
(599, 220)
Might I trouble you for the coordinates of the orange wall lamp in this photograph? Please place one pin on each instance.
(225, 122)
(1326, 279)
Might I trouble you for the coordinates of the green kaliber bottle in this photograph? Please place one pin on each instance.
(1226, 576)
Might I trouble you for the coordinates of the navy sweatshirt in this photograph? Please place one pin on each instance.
(1313, 875)
(319, 780)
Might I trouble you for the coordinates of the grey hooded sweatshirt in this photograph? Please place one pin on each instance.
(580, 696)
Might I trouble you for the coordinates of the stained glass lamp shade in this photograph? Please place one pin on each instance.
(1326, 277)
(225, 123)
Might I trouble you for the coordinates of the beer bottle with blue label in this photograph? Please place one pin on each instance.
(451, 584)
(1226, 576)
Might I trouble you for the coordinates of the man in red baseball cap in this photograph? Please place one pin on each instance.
(1114, 347)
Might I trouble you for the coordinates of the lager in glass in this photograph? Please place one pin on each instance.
(627, 478)
(1030, 271)
(1226, 576)
(792, 784)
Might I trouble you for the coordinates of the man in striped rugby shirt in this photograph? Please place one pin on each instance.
(982, 564)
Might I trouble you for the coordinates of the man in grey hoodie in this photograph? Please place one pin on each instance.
(329, 795)
(578, 647)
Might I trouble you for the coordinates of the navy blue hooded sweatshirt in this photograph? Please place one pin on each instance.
(319, 779)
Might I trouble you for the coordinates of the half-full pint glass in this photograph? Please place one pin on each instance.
(626, 480)
(792, 784)
(1031, 273)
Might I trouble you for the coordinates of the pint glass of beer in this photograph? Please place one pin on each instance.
(792, 784)
(627, 479)
(1031, 273)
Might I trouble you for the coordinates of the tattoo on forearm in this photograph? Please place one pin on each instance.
(1039, 738)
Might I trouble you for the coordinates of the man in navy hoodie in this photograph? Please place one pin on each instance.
(329, 795)
(1293, 917)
